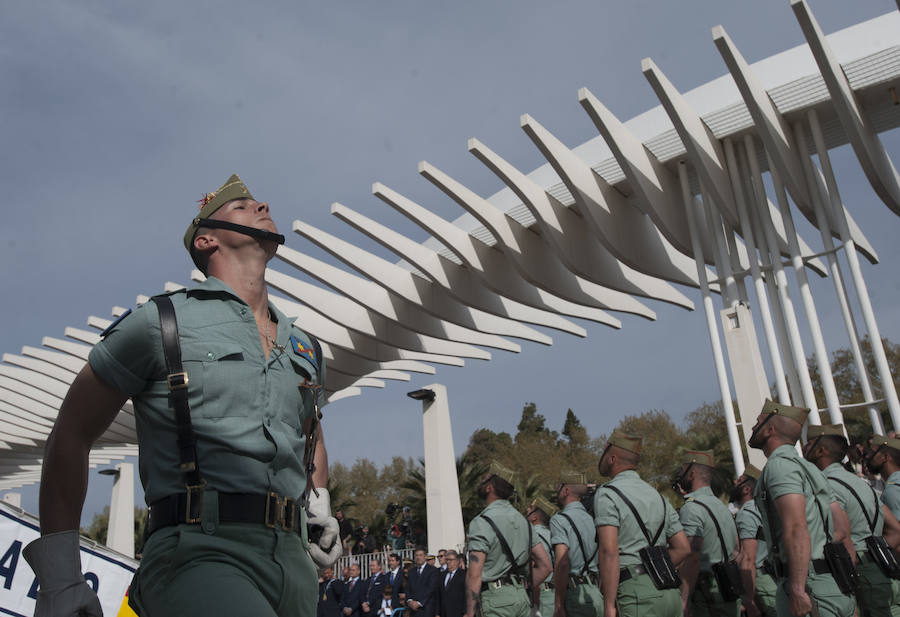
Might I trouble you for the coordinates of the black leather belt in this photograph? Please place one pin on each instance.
(590, 577)
(506, 579)
(625, 573)
(271, 510)
(819, 566)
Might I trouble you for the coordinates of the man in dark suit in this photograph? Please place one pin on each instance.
(330, 592)
(374, 589)
(421, 587)
(354, 593)
(395, 578)
(452, 588)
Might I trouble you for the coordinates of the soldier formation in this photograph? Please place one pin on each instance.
(809, 537)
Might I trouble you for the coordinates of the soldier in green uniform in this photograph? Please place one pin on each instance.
(708, 525)
(759, 584)
(223, 431)
(794, 500)
(626, 586)
(574, 539)
(538, 514)
(825, 448)
(499, 550)
(884, 459)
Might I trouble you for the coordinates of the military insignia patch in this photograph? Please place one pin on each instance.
(303, 351)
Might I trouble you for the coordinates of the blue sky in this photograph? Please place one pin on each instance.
(117, 117)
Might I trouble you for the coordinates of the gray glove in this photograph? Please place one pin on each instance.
(326, 551)
(56, 560)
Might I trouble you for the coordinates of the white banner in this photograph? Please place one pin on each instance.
(106, 571)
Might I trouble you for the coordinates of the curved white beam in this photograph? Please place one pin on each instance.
(383, 302)
(869, 150)
(62, 375)
(345, 393)
(488, 263)
(62, 360)
(564, 230)
(778, 141)
(415, 289)
(529, 255)
(353, 364)
(627, 233)
(459, 282)
(347, 312)
(73, 349)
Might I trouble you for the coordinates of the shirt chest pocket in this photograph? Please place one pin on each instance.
(222, 383)
(297, 390)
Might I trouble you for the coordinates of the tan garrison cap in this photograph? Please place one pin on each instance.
(890, 442)
(232, 189)
(542, 504)
(698, 457)
(797, 414)
(751, 471)
(824, 430)
(625, 441)
(502, 472)
(572, 477)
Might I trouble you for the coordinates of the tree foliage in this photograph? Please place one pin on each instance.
(99, 525)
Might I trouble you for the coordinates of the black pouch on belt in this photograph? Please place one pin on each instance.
(882, 555)
(841, 566)
(728, 576)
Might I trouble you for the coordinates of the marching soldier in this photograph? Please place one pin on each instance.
(825, 448)
(634, 522)
(710, 530)
(538, 514)
(759, 584)
(500, 541)
(884, 459)
(574, 539)
(794, 501)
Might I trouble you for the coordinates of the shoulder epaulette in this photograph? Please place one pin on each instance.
(115, 323)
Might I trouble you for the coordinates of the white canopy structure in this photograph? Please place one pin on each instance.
(699, 192)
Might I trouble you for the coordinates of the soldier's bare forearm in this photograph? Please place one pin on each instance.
(320, 460)
(473, 582)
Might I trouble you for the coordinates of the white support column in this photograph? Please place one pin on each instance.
(730, 295)
(120, 530)
(712, 327)
(862, 292)
(442, 504)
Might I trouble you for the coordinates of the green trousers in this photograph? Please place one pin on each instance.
(584, 601)
(639, 597)
(706, 601)
(765, 593)
(548, 602)
(234, 569)
(824, 593)
(506, 601)
(877, 595)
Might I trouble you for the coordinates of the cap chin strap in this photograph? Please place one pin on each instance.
(253, 232)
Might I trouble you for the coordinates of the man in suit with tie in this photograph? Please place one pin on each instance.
(374, 589)
(452, 590)
(421, 588)
(395, 578)
(354, 593)
(330, 592)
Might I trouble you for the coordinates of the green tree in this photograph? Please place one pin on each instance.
(662, 445)
(99, 526)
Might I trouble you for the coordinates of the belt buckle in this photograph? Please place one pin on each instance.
(288, 514)
(275, 507)
(495, 584)
(191, 489)
(177, 381)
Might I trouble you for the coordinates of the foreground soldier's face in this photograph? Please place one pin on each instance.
(247, 212)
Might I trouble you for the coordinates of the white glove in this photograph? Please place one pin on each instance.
(56, 560)
(318, 512)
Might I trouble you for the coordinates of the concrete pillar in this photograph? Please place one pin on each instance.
(13, 499)
(443, 507)
(120, 531)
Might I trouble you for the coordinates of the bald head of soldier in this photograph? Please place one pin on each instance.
(572, 487)
(497, 483)
(777, 425)
(883, 455)
(539, 512)
(622, 453)
(695, 471)
(825, 444)
(744, 486)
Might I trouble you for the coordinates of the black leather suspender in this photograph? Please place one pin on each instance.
(584, 554)
(177, 381)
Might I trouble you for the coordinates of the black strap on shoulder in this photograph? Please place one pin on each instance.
(770, 511)
(651, 542)
(177, 381)
(725, 554)
(587, 560)
(504, 545)
(862, 507)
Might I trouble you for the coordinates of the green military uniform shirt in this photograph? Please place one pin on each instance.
(655, 510)
(786, 473)
(514, 528)
(561, 532)
(543, 534)
(749, 526)
(859, 518)
(891, 495)
(247, 410)
(697, 523)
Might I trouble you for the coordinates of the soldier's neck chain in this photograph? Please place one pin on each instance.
(269, 337)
